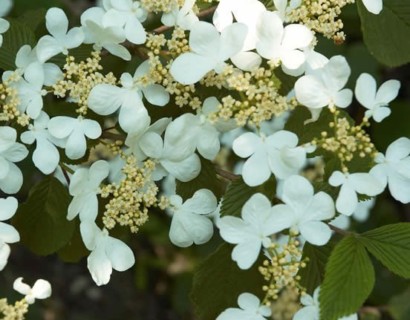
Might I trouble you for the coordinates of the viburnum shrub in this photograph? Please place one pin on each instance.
(229, 120)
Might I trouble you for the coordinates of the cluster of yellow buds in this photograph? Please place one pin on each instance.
(9, 102)
(287, 304)
(161, 5)
(13, 312)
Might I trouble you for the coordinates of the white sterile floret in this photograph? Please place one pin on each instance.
(209, 51)
(303, 211)
(61, 39)
(393, 169)
(11, 178)
(40, 290)
(5, 7)
(282, 43)
(311, 308)
(127, 14)
(376, 101)
(183, 17)
(8, 234)
(250, 308)
(324, 86)
(250, 232)
(4, 26)
(84, 187)
(277, 154)
(107, 253)
(74, 130)
(46, 155)
(99, 30)
(373, 6)
(190, 220)
(352, 184)
(105, 99)
(184, 166)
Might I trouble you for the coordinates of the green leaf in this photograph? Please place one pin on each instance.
(387, 34)
(312, 276)
(206, 179)
(75, 249)
(399, 306)
(33, 18)
(18, 35)
(238, 192)
(218, 282)
(41, 220)
(349, 279)
(391, 246)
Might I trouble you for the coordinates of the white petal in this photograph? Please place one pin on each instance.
(388, 91)
(248, 302)
(8, 208)
(47, 47)
(347, 201)
(204, 39)
(297, 191)
(46, 156)
(256, 169)
(296, 36)
(247, 61)
(343, 98)
(41, 289)
(232, 40)
(61, 126)
(373, 6)
(245, 145)
(151, 144)
(184, 170)
(398, 149)
(120, 255)
(365, 90)
(399, 188)
(76, 145)
(13, 181)
(4, 255)
(8, 233)
(311, 93)
(190, 67)
(134, 31)
(208, 142)
(202, 202)
(233, 229)
(246, 253)
(91, 128)
(315, 232)
(21, 287)
(56, 22)
(381, 113)
(105, 99)
(156, 95)
(365, 183)
(99, 266)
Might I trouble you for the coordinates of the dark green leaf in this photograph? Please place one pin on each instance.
(312, 276)
(387, 34)
(17, 36)
(399, 306)
(41, 220)
(218, 282)
(349, 279)
(33, 18)
(74, 250)
(391, 246)
(206, 179)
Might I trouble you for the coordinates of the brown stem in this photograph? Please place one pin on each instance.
(339, 231)
(227, 175)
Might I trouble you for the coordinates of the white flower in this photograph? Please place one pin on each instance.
(105, 99)
(311, 308)
(11, 178)
(376, 102)
(251, 231)
(46, 155)
(282, 43)
(107, 253)
(5, 7)
(361, 214)
(183, 17)
(4, 26)
(324, 86)
(98, 29)
(351, 184)
(74, 130)
(40, 290)
(373, 6)
(190, 220)
(277, 154)
(209, 51)
(250, 309)
(394, 169)
(61, 39)
(84, 186)
(8, 234)
(303, 211)
(127, 14)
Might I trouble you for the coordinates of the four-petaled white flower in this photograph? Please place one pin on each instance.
(277, 154)
(11, 178)
(250, 309)
(376, 101)
(84, 186)
(394, 169)
(74, 130)
(373, 6)
(61, 40)
(303, 211)
(251, 231)
(190, 220)
(8, 234)
(4, 26)
(107, 253)
(282, 43)
(40, 290)
(324, 86)
(351, 184)
(209, 51)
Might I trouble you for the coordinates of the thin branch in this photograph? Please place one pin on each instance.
(227, 175)
(339, 231)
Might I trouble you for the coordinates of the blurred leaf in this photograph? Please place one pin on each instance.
(41, 220)
(312, 276)
(74, 250)
(238, 192)
(391, 246)
(18, 35)
(399, 306)
(218, 282)
(387, 34)
(206, 179)
(349, 279)
(20, 7)
(33, 18)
